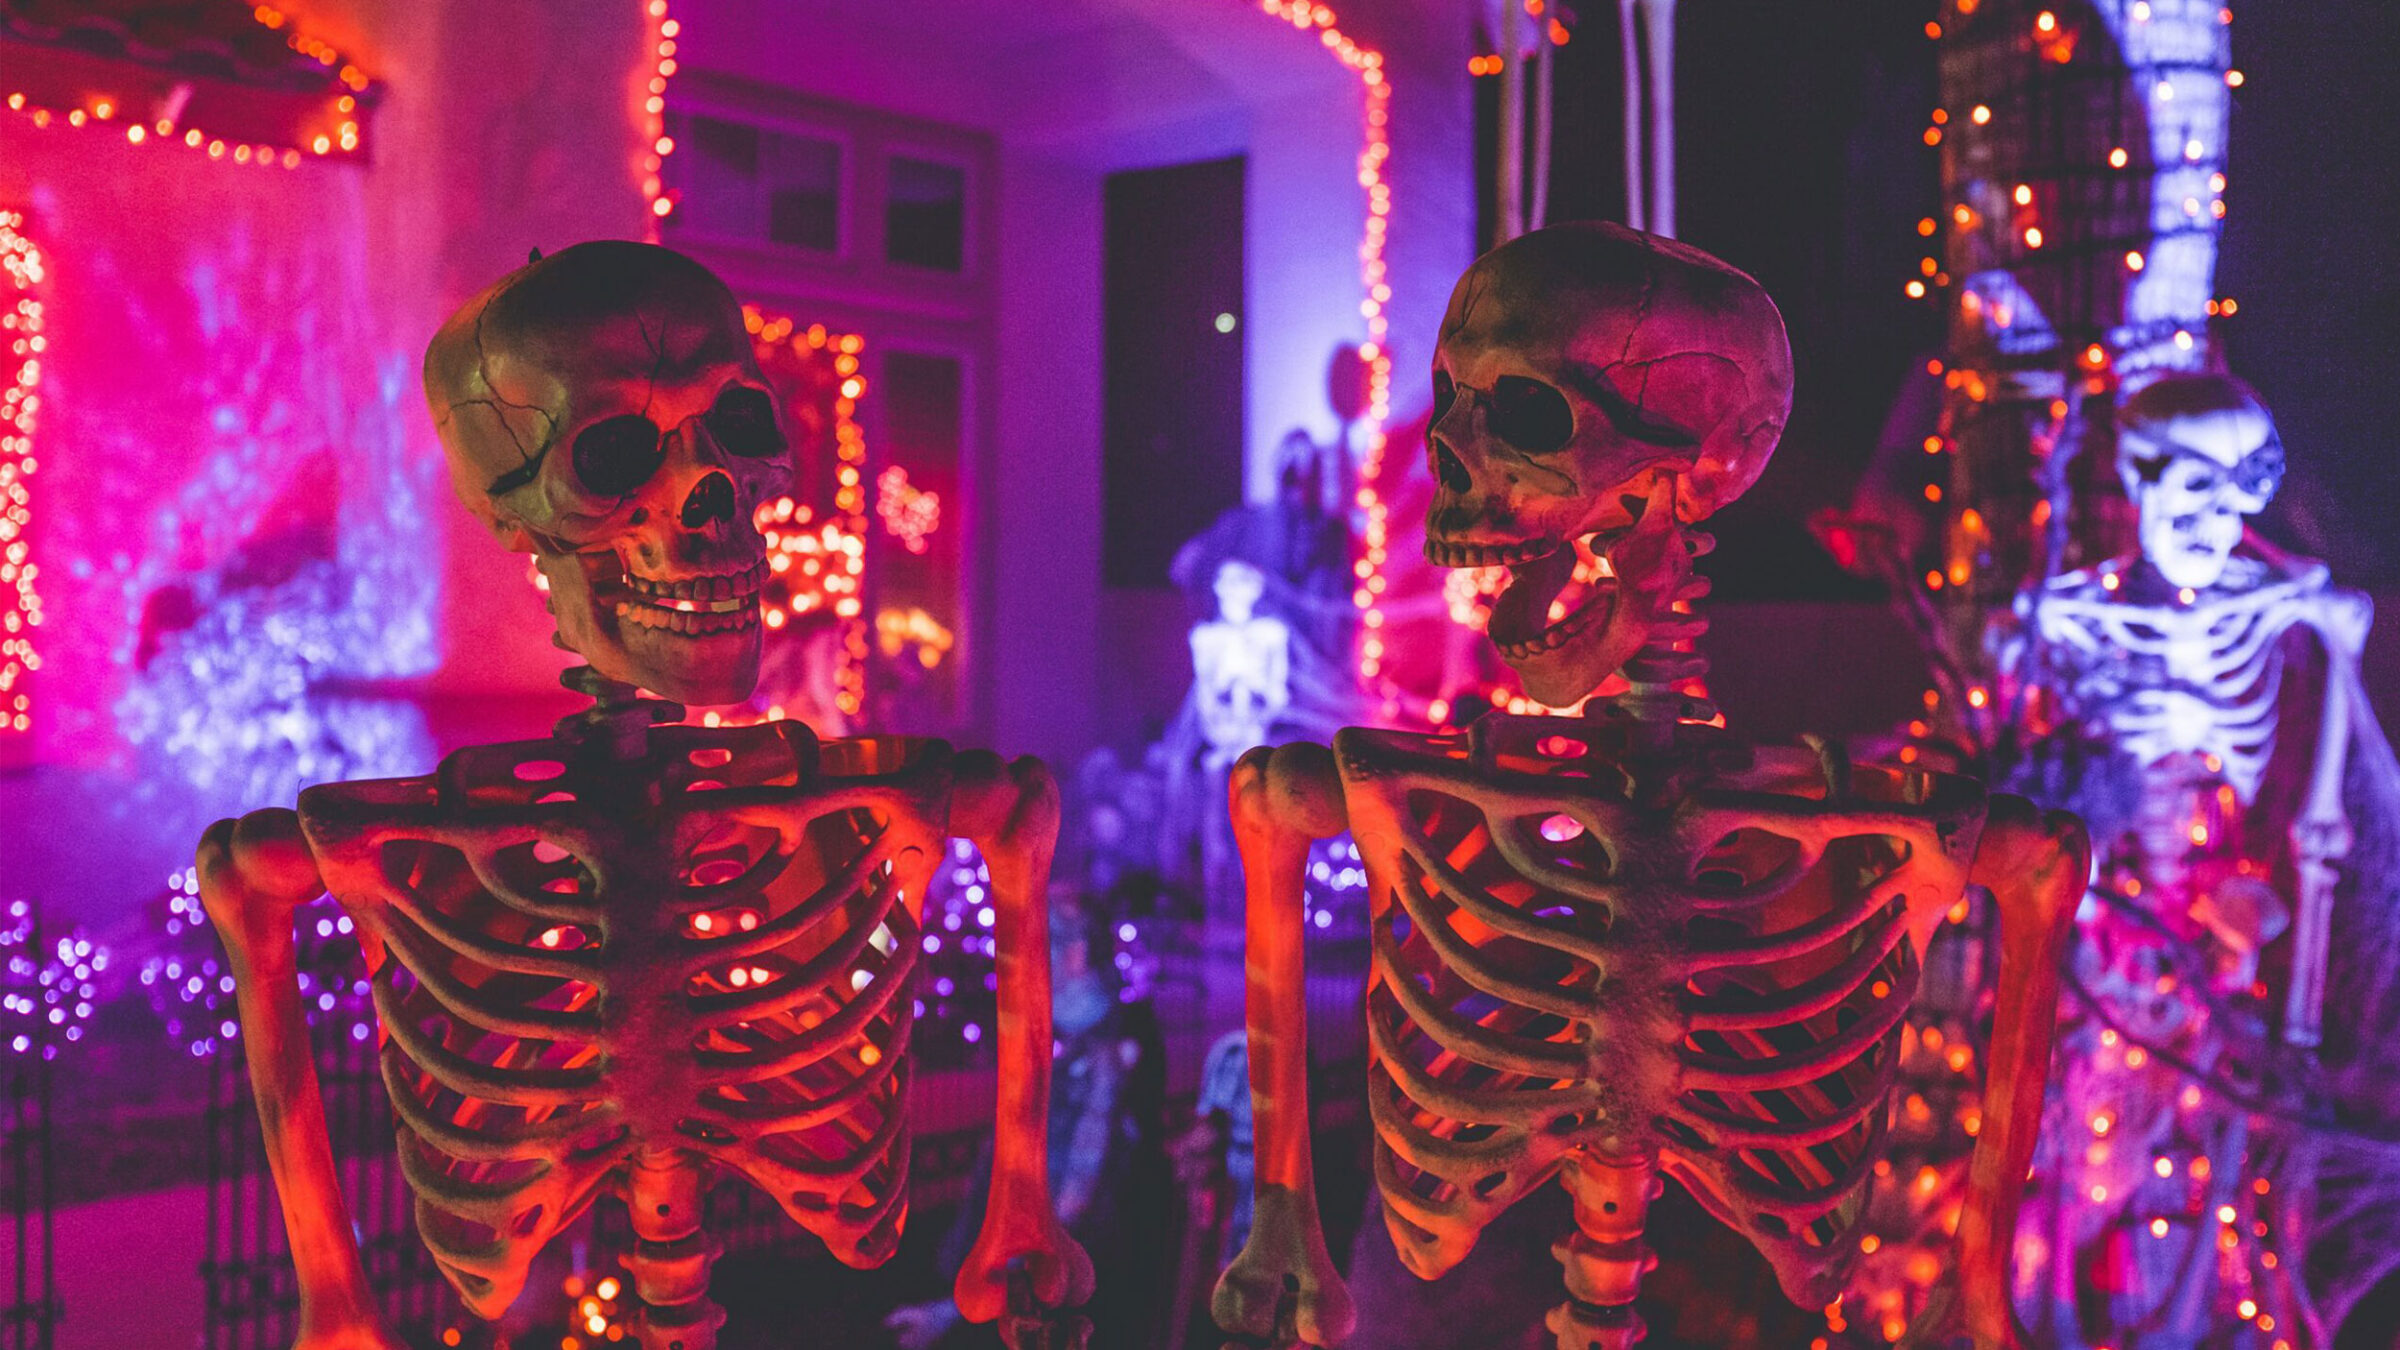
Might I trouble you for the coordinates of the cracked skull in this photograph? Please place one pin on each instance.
(2197, 454)
(600, 408)
(1595, 389)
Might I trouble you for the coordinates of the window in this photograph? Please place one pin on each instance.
(925, 216)
(734, 180)
(1172, 391)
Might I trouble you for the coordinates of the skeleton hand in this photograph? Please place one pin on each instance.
(1283, 1290)
(1019, 1228)
(1027, 1325)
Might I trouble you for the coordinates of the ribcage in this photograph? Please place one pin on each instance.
(708, 954)
(1707, 970)
(2170, 678)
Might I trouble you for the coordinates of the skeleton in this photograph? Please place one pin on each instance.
(2179, 653)
(636, 954)
(1241, 666)
(2172, 663)
(1626, 946)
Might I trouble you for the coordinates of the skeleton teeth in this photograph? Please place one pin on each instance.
(1445, 553)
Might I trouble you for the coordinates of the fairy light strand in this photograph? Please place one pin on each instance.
(656, 145)
(20, 404)
(1374, 306)
(337, 131)
(822, 564)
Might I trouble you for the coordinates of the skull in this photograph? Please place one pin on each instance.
(1595, 389)
(632, 363)
(2197, 453)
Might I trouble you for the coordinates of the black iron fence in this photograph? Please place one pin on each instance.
(32, 1039)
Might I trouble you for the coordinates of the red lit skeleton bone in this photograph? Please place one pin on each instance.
(638, 954)
(1627, 944)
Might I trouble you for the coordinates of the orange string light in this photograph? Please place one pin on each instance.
(822, 565)
(656, 145)
(336, 131)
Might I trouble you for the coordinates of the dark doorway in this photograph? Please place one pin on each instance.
(1171, 404)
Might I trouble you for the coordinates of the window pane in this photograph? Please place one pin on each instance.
(925, 221)
(736, 181)
(916, 543)
(804, 185)
(715, 171)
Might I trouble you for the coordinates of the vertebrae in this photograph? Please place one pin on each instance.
(1671, 657)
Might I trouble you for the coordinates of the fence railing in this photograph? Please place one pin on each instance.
(29, 1043)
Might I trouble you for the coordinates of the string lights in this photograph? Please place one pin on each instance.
(98, 75)
(656, 143)
(2116, 232)
(20, 403)
(2083, 192)
(1373, 156)
(818, 563)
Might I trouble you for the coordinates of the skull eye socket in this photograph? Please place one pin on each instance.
(743, 421)
(1445, 393)
(615, 455)
(2261, 471)
(1531, 415)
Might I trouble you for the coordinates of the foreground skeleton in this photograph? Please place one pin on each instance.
(637, 953)
(1626, 946)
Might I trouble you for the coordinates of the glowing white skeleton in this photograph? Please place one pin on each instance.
(2180, 652)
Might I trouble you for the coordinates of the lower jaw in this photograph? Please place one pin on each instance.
(1558, 677)
(712, 668)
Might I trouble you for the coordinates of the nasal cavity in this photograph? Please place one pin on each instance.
(711, 500)
(1448, 468)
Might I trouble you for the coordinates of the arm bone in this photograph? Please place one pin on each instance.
(1281, 799)
(253, 874)
(1010, 811)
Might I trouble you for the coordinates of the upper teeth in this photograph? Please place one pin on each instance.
(720, 594)
(1445, 553)
(694, 605)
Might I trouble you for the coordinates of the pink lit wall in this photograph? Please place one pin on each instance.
(234, 453)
